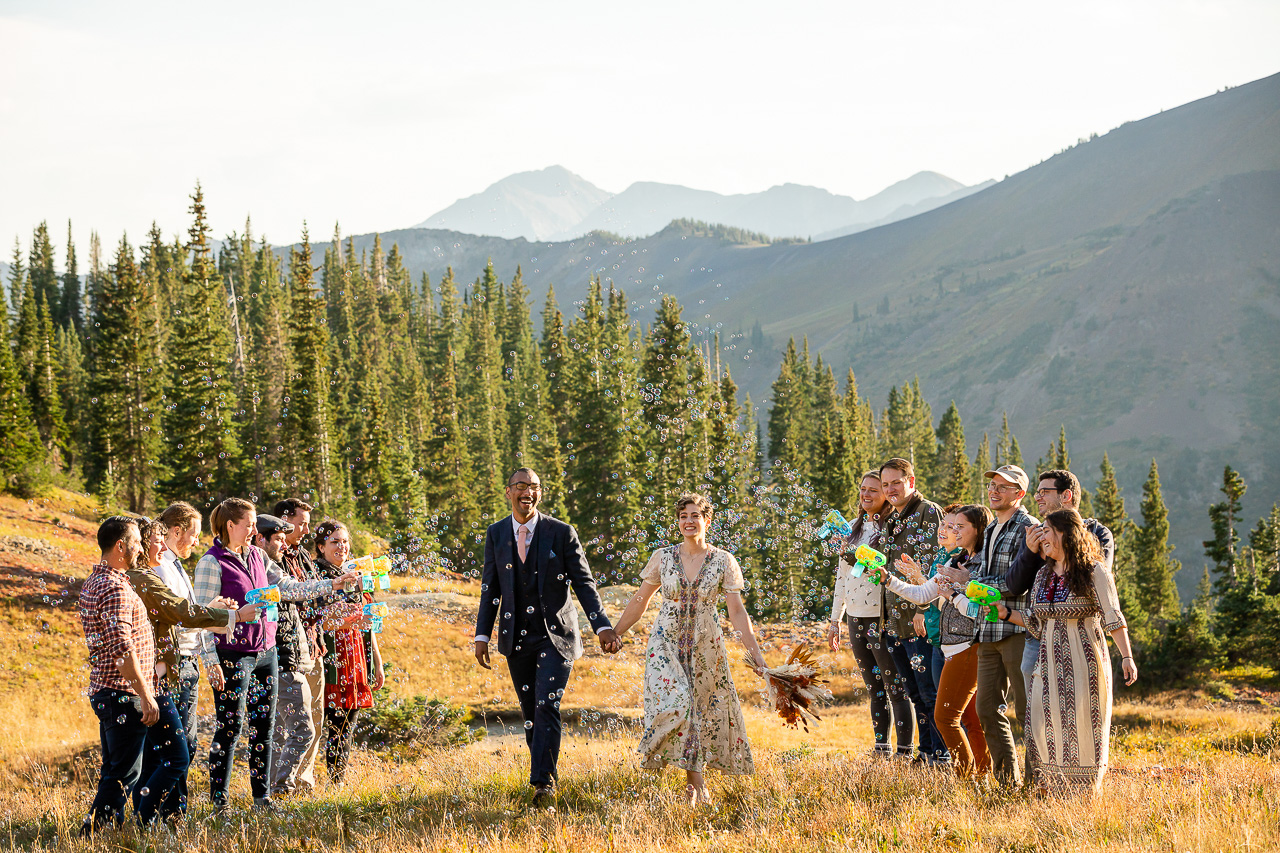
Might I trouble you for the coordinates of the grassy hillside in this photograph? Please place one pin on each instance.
(1188, 771)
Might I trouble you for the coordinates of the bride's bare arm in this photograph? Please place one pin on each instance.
(635, 607)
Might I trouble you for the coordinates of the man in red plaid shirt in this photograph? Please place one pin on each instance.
(122, 678)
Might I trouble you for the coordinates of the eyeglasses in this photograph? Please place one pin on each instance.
(993, 486)
(1042, 492)
(521, 486)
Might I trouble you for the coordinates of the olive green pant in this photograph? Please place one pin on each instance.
(1000, 684)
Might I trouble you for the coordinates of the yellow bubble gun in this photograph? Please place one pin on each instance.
(371, 568)
(375, 611)
(834, 522)
(984, 596)
(869, 560)
(269, 597)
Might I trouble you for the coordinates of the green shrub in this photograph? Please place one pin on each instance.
(408, 727)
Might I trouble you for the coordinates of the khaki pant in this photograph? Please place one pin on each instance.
(1000, 683)
(299, 723)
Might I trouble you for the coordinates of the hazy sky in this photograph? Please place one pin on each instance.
(377, 115)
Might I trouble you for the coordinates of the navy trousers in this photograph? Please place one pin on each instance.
(540, 674)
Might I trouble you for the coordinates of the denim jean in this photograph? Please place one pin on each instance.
(918, 678)
(936, 662)
(165, 749)
(1030, 654)
(250, 688)
(184, 702)
(123, 734)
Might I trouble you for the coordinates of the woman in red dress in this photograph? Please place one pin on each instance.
(352, 661)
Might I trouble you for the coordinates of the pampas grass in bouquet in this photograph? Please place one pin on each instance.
(795, 688)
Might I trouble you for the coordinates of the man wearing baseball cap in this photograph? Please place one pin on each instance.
(1000, 644)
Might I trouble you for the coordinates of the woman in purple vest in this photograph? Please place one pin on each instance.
(243, 672)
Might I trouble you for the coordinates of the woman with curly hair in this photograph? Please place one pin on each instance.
(1073, 607)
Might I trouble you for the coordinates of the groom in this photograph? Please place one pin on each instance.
(530, 561)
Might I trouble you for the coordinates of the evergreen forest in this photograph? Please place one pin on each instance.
(168, 371)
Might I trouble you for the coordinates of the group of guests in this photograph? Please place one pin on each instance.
(298, 679)
(929, 653)
(937, 664)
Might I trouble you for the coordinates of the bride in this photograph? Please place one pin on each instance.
(692, 718)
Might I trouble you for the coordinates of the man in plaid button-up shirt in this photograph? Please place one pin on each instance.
(122, 677)
(1000, 644)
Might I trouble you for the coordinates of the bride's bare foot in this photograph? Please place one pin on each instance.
(696, 791)
(703, 797)
(690, 795)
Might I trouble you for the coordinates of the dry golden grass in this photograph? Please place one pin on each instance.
(1189, 774)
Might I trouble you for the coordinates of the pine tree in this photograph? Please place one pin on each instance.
(532, 438)
(789, 415)
(17, 278)
(72, 309)
(449, 476)
(602, 434)
(1112, 514)
(554, 347)
(1264, 542)
(202, 450)
(125, 435)
(73, 385)
(44, 281)
(832, 472)
(18, 434)
(483, 401)
(952, 475)
(308, 429)
(46, 398)
(1154, 566)
(1223, 548)
(673, 408)
(981, 465)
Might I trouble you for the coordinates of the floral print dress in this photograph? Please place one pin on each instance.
(692, 718)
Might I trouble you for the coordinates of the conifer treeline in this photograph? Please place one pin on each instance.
(402, 405)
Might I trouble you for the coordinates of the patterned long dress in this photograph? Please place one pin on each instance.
(1070, 695)
(692, 718)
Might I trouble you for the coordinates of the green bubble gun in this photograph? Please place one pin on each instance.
(984, 596)
(869, 560)
(834, 523)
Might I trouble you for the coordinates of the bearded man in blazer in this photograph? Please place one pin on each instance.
(531, 561)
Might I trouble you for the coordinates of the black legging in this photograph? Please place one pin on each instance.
(883, 685)
(340, 726)
(251, 687)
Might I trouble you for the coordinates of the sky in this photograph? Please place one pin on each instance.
(376, 115)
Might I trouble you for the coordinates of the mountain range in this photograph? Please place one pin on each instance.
(555, 204)
(1127, 288)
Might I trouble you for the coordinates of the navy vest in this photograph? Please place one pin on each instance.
(528, 625)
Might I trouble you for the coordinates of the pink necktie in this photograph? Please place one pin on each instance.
(523, 542)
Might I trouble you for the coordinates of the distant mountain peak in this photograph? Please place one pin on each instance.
(555, 204)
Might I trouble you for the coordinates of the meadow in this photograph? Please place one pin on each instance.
(1191, 770)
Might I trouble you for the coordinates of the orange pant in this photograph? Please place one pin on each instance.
(956, 715)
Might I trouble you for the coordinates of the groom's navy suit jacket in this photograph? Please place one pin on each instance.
(559, 562)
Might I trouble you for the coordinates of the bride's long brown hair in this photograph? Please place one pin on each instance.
(1080, 549)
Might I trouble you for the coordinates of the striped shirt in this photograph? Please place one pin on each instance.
(115, 623)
